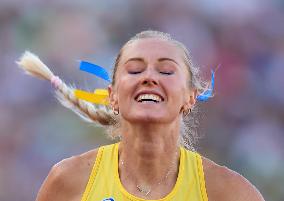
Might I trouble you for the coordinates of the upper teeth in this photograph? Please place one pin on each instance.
(149, 97)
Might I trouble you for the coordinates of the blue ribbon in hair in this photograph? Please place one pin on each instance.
(209, 92)
(94, 69)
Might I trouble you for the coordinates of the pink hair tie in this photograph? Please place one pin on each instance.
(55, 81)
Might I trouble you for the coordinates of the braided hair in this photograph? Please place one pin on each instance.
(103, 115)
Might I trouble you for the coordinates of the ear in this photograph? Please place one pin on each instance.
(113, 100)
(190, 99)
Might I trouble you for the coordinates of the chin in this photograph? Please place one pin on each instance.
(147, 118)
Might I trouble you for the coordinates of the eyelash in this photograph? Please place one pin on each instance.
(137, 72)
(134, 72)
(167, 73)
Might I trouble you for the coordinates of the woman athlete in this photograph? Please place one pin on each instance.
(153, 91)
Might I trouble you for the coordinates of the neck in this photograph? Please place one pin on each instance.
(150, 154)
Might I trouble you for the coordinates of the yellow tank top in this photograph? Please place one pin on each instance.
(104, 183)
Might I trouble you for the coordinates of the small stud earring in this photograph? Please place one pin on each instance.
(186, 112)
(115, 112)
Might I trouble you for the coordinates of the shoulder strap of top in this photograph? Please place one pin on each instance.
(93, 174)
(201, 177)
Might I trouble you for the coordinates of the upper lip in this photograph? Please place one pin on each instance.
(149, 92)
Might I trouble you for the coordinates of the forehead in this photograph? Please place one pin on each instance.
(152, 48)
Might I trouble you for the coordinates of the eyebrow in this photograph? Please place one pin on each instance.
(167, 59)
(142, 60)
(135, 59)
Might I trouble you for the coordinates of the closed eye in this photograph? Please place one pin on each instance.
(134, 72)
(166, 72)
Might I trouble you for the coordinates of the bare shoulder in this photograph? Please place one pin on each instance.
(223, 184)
(68, 178)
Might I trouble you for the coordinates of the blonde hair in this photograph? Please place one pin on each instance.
(103, 115)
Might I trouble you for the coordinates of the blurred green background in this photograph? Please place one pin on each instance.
(243, 125)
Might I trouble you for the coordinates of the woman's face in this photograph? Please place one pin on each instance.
(151, 82)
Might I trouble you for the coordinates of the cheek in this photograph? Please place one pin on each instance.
(124, 87)
(177, 86)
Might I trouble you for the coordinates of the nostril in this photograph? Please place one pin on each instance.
(148, 81)
(144, 82)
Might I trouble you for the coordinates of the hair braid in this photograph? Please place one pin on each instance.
(33, 66)
(101, 114)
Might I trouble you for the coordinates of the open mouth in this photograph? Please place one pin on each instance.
(144, 98)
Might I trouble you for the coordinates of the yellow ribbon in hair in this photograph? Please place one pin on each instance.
(100, 96)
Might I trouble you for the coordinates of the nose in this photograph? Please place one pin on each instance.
(149, 81)
(149, 78)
